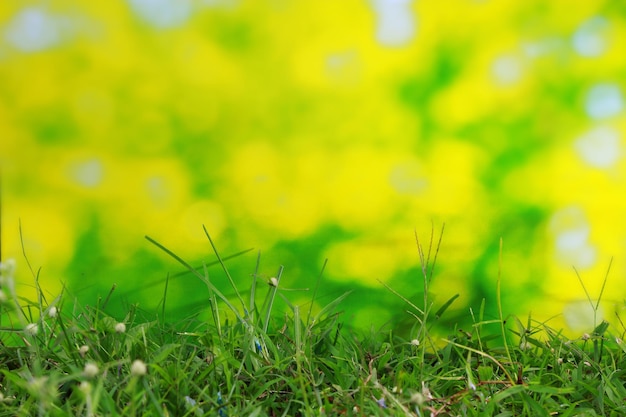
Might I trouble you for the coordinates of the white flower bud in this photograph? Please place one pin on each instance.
(31, 329)
(138, 368)
(83, 350)
(91, 370)
(120, 327)
(85, 387)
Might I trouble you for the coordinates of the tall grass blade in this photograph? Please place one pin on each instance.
(167, 281)
(154, 283)
(255, 278)
(606, 278)
(582, 284)
(438, 247)
(329, 307)
(273, 290)
(444, 307)
(317, 286)
(499, 301)
(194, 271)
(219, 259)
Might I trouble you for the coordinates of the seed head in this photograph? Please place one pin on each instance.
(85, 387)
(91, 370)
(31, 329)
(83, 350)
(138, 368)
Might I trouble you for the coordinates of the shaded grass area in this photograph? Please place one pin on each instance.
(250, 360)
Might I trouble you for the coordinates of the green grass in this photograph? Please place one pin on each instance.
(251, 360)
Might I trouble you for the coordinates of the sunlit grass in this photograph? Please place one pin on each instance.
(251, 360)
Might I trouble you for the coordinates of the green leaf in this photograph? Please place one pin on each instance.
(444, 307)
(601, 328)
(515, 389)
(545, 389)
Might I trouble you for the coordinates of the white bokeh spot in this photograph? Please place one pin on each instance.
(545, 47)
(600, 147)
(33, 30)
(507, 69)
(162, 14)
(580, 316)
(396, 23)
(89, 173)
(571, 232)
(408, 178)
(603, 101)
(589, 40)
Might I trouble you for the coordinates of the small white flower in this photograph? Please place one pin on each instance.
(120, 327)
(31, 329)
(525, 345)
(85, 387)
(585, 336)
(83, 350)
(273, 282)
(52, 312)
(91, 370)
(415, 342)
(138, 368)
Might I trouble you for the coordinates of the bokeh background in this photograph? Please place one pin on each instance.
(313, 130)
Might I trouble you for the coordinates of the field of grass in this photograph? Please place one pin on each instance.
(252, 361)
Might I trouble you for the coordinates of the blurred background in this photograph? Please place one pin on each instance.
(313, 130)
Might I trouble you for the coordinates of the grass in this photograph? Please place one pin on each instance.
(252, 361)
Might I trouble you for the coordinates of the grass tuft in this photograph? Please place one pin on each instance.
(252, 360)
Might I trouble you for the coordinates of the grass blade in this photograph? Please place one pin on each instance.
(219, 259)
(194, 271)
(444, 307)
(273, 290)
